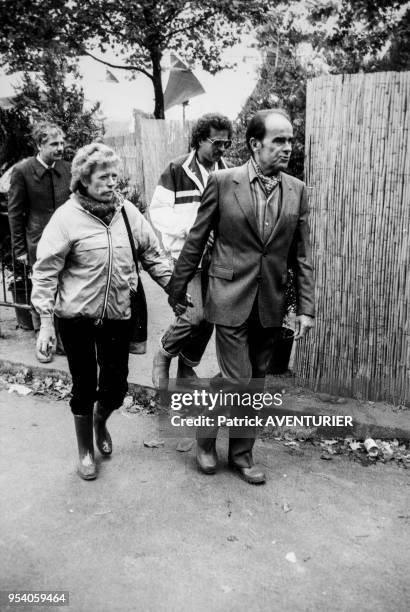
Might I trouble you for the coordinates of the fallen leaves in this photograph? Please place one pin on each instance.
(19, 389)
(184, 445)
(153, 443)
(23, 383)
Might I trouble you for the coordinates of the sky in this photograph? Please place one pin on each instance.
(226, 92)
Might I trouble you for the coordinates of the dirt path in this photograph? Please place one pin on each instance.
(152, 534)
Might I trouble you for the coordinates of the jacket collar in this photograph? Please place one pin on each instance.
(244, 197)
(190, 167)
(40, 169)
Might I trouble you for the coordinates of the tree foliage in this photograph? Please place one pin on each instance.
(305, 39)
(15, 139)
(51, 93)
(139, 30)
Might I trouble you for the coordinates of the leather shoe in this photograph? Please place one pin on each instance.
(252, 475)
(207, 460)
(160, 370)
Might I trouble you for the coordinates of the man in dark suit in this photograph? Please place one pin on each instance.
(259, 216)
(38, 186)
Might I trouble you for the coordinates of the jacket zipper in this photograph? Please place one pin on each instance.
(107, 287)
(110, 258)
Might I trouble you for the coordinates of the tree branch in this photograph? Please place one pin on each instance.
(189, 26)
(97, 59)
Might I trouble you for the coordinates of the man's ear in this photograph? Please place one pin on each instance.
(255, 144)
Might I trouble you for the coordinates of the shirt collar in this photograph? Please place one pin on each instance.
(38, 158)
(253, 171)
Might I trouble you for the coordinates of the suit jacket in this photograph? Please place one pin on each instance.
(242, 265)
(32, 202)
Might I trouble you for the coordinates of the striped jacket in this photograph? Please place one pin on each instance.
(176, 199)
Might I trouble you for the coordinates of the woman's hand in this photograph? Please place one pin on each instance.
(46, 339)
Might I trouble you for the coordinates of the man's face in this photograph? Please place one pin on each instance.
(209, 153)
(102, 183)
(272, 154)
(52, 149)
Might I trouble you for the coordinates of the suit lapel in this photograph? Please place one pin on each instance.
(243, 195)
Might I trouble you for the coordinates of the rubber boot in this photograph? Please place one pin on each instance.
(102, 436)
(84, 429)
(206, 457)
(186, 375)
(160, 370)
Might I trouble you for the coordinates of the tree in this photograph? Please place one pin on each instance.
(362, 35)
(140, 31)
(15, 140)
(337, 36)
(53, 93)
(282, 84)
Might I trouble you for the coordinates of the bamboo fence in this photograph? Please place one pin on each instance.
(146, 153)
(357, 171)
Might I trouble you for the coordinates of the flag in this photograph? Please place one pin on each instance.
(110, 78)
(182, 84)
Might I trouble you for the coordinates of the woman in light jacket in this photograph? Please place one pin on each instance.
(83, 274)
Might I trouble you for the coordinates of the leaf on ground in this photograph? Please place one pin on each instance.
(153, 443)
(291, 557)
(19, 389)
(128, 402)
(184, 446)
(326, 456)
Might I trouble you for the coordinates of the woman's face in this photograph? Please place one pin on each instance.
(102, 183)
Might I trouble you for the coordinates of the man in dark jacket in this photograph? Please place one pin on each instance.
(38, 186)
(259, 216)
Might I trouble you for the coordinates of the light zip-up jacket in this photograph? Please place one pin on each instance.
(85, 268)
(176, 200)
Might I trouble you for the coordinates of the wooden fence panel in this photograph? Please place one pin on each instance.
(357, 170)
(145, 153)
(161, 141)
(128, 147)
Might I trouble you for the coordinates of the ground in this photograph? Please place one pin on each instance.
(153, 534)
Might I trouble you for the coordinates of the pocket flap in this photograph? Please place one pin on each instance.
(220, 272)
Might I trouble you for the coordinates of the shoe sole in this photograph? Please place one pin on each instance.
(246, 478)
(84, 477)
(208, 472)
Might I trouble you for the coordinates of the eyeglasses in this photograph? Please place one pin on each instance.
(220, 143)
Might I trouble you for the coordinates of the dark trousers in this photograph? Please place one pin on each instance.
(189, 334)
(243, 356)
(87, 346)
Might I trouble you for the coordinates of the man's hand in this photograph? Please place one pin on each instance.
(180, 306)
(46, 339)
(23, 259)
(303, 324)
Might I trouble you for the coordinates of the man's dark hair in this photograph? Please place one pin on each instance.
(256, 126)
(202, 128)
